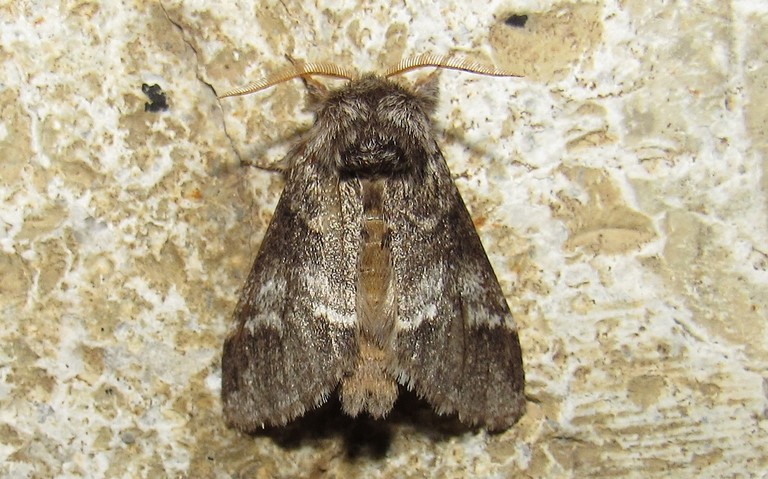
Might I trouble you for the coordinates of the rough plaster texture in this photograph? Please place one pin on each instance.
(619, 187)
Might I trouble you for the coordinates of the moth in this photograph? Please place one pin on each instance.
(371, 274)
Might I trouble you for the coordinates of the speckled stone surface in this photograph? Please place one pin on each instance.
(619, 187)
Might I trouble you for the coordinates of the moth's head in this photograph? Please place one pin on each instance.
(371, 126)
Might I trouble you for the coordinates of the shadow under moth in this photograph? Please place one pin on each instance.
(371, 273)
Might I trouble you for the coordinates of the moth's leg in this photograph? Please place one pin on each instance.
(316, 90)
(428, 85)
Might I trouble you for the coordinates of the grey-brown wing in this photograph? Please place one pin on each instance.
(293, 334)
(456, 342)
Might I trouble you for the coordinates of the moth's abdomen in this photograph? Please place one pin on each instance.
(369, 386)
(374, 267)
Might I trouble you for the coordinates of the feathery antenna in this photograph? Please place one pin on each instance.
(300, 69)
(295, 71)
(444, 61)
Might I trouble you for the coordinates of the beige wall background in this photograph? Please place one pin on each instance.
(619, 187)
